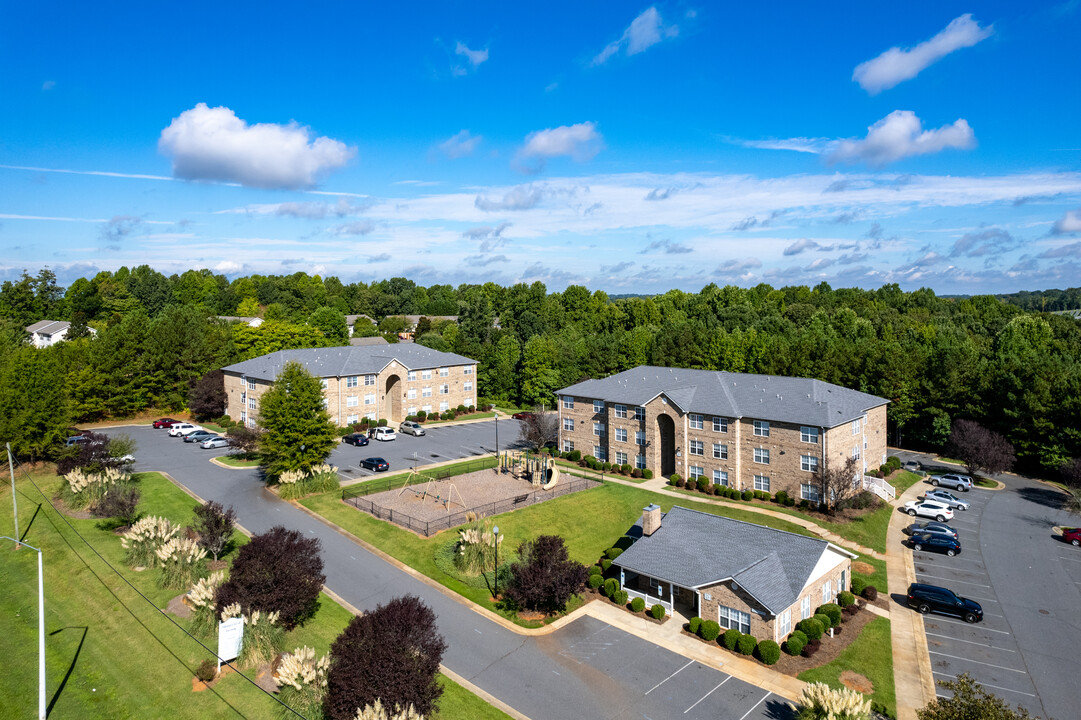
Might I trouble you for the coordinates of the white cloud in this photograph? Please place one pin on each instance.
(899, 135)
(897, 65)
(479, 233)
(580, 142)
(228, 266)
(1068, 223)
(474, 57)
(48, 85)
(214, 144)
(522, 197)
(796, 144)
(1071, 250)
(359, 227)
(644, 32)
(801, 245)
(460, 145)
(667, 247)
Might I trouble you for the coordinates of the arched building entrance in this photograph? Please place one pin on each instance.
(666, 432)
(393, 400)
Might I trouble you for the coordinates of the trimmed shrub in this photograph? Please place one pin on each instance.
(596, 570)
(832, 611)
(422, 416)
(382, 422)
(824, 619)
(812, 628)
(703, 483)
(718, 489)
(811, 648)
(748, 494)
(605, 564)
(768, 652)
(657, 611)
(595, 581)
(694, 625)
(613, 552)
(206, 671)
(611, 587)
(606, 466)
(794, 645)
(638, 604)
(781, 497)
(731, 639)
(636, 473)
(803, 504)
(574, 455)
(870, 592)
(626, 469)
(858, 584)
(845, 598)
(676, 478)
(620, 598)
(710, 630)
(790, 502)
(747, 644)
(647, 474)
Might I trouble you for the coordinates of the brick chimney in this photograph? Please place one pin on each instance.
(651, 519)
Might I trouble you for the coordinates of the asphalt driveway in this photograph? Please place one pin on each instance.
(1029, 584)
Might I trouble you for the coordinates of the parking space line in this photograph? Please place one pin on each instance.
(755, 705)
(1060, 557)
(970, 642)
(1000, 667)
(722, 682)
(966, 582)
(960, 622)
(662, 682)
(996, 687)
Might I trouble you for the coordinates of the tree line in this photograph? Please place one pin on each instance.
(938, 360)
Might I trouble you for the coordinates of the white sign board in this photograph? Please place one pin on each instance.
(230, 639)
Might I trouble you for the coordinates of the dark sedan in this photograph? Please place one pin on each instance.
(932, 598)
(930, 528)
(374, 463)
(356, 439)
(164, 423)
(936, 543)
(523, 415)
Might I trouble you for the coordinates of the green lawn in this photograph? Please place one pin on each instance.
(238, 462)
(869, 655)
(109, 654)
(470, 416)
(985, 483)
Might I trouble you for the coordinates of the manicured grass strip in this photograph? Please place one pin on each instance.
(870, 655)
(237, 462)
(468, 416)
(985, 483)
(457, 703)
(392, 482)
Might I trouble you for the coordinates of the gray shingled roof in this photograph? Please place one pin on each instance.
(694, 549)
(344, 361)
(801, 401)
(48, 327)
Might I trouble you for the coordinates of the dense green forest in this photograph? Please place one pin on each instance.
(936, 360)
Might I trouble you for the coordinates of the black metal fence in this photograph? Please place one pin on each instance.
(371, 487)
(427, 528)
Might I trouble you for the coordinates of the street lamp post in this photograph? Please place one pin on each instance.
(495, 575)
(496, 414)
(41, 628)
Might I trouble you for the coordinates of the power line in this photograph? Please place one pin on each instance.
(144, 597)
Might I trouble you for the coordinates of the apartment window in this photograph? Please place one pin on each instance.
(761, 482)
(468, 402)
(426, 392)
(697, 471)
(369, 399)
(843, 585)
(598, 406)
(784, 625)
(251, 422)
(720, 477)
(856, 426)
(369, 379)
(827, 591)
(568, 446)
(251, 403)
(808, 463)
(371, 415)
(639, 413)
(350, 419)
(568, 424)
(761, 456)
(598, 429)
(425, 374)
(621, 436)
(697, 447)
(809, 492)
(243, 417)
(411, 394)
(467, 370)
(325, 403)
(808, 434)
(639, 437)
(352, 401)
(412, 375)
(323, 382)
(640, 462)
(720, 452)
(720, 424)
(600, 453)
(761, 428)
(468, 386)
(444, 372)
(444, 389)
(426, 408)
(621, 411)
(856, 452)
(805, 608)
(568, 402)
(251, 384)
(696, 421)
(732, 619)
(621, 458)
(412, 410)
(351, 381)
(444, 406)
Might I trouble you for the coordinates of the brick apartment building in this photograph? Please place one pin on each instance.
(372, 381)
(758, 432)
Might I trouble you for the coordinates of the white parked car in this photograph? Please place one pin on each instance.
(385, 433)
(182, 429)
(928, 508)
(411, 428)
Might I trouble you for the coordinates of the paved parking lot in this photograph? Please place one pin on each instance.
(1029, 585)
(439, 444)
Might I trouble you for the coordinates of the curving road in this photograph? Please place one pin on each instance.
(587, 669)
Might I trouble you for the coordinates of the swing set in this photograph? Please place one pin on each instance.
(433, 489)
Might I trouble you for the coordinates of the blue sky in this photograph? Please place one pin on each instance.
(626, 147)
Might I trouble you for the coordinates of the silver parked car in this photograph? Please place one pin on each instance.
(214, 442)
(962, 483)
(411, 428)
(946, 498)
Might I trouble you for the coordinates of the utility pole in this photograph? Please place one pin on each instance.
(14, 501)
(41, 628)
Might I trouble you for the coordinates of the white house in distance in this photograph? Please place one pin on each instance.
(49, 332)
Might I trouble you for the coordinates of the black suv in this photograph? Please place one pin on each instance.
(936, 543)
(931, 598)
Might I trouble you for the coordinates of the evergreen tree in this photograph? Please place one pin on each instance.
(34, 412)
(297, 432)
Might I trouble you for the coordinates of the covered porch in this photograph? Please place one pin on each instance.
(657, 591)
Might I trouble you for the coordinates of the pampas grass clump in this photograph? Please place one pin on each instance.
(303, 683)
(821, 702)
(475, 552)
(291, 484)
(143, 540)
(378, 712)
(322, 478)
(201, 599)
(263, 639)
(181, 562)
(84, 489)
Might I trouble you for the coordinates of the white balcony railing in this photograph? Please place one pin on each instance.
(650, 600)
(879, 487)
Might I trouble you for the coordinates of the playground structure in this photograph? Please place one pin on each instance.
(540, 470)
(438, 490)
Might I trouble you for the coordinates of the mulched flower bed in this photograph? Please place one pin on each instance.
(591, 594)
